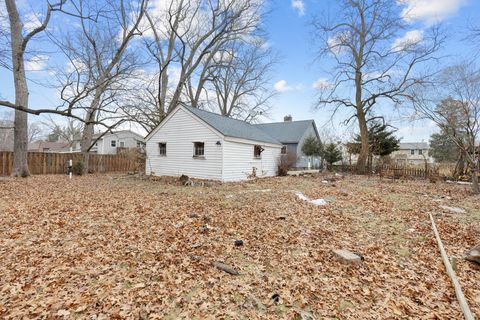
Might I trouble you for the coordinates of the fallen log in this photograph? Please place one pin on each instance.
(467, 313)
(226, 268)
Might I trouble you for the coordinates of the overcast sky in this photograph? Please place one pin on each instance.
(289, 30)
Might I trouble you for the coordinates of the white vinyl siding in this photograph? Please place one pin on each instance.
(238, 161)
(180, 132)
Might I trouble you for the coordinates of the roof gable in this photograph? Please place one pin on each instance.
(413, 145)
(288, 131)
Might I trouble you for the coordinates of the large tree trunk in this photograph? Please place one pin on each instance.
(20, 140)
(365, 149)
(474, 172)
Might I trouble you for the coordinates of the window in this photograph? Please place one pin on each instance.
(420, 151)
(412, 152)
(198, 149)
(113, 143)
(162, 148)
(257, 151)
(284, 150)
(122, 144)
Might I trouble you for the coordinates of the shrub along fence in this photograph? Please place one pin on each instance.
(56, 163)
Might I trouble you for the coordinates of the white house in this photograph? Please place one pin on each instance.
(111, 142)
(206, 145)
(412, 153)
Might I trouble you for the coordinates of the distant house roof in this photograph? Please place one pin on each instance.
(233, 128)
(413, 145)
(41, 146)
(96, 135)
(287, 131)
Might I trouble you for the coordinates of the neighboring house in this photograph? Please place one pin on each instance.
(292, 135)
(45, 146)
(206, 145)
(6, 135)
(412, 153)
(112, 142)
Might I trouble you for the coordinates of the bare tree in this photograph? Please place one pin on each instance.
(376, 55)
(63, 131)
(454, 105)
(19, 43)
(35, 132)
(240, 80)
(183, 37)
(100, 60)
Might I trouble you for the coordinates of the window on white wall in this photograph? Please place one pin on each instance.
(162, 148)
(113, 143)
(412, 152)
(257, 151)
(198, 149)
(122, 144)
(420, 151)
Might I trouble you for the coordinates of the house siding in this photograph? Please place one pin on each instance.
(239, 160)
(179, 132)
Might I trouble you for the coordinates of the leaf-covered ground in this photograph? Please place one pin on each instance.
(103, 247)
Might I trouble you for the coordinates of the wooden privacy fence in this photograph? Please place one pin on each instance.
(54, 163)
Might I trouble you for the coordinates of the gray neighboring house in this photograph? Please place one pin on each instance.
(292, 135)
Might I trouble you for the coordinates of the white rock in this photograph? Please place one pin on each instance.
(317, 202)
(347, 256)
(453, 209)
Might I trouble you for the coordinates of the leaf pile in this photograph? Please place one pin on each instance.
(116, 247)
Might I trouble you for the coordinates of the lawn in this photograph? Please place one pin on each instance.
(116, 246)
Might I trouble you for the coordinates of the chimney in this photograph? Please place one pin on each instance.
(287, 118)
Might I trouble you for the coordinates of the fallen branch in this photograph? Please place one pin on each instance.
(456, 284)
(226, 268)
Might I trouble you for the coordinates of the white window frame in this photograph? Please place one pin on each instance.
(197, 148)
(160, 150)
(255, 148)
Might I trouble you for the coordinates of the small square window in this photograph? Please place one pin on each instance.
(420, 151)
(284, 150)
(113, 143)
(198, 149)
(412, 152)
(257, 151)
(162, 148)
(122, 144)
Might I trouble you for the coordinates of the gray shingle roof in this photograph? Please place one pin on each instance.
(233, 128)
(413, 145)
(286, 132)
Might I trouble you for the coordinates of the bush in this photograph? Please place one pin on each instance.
(78, 168)
(285, 163)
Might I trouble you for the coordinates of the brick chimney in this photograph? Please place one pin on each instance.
(287, 118)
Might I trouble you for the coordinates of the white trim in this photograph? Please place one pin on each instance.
(253, 142)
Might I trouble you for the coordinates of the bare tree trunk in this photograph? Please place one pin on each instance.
(474, 172)
(365, 149)
(20, 165)
(87, 134)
